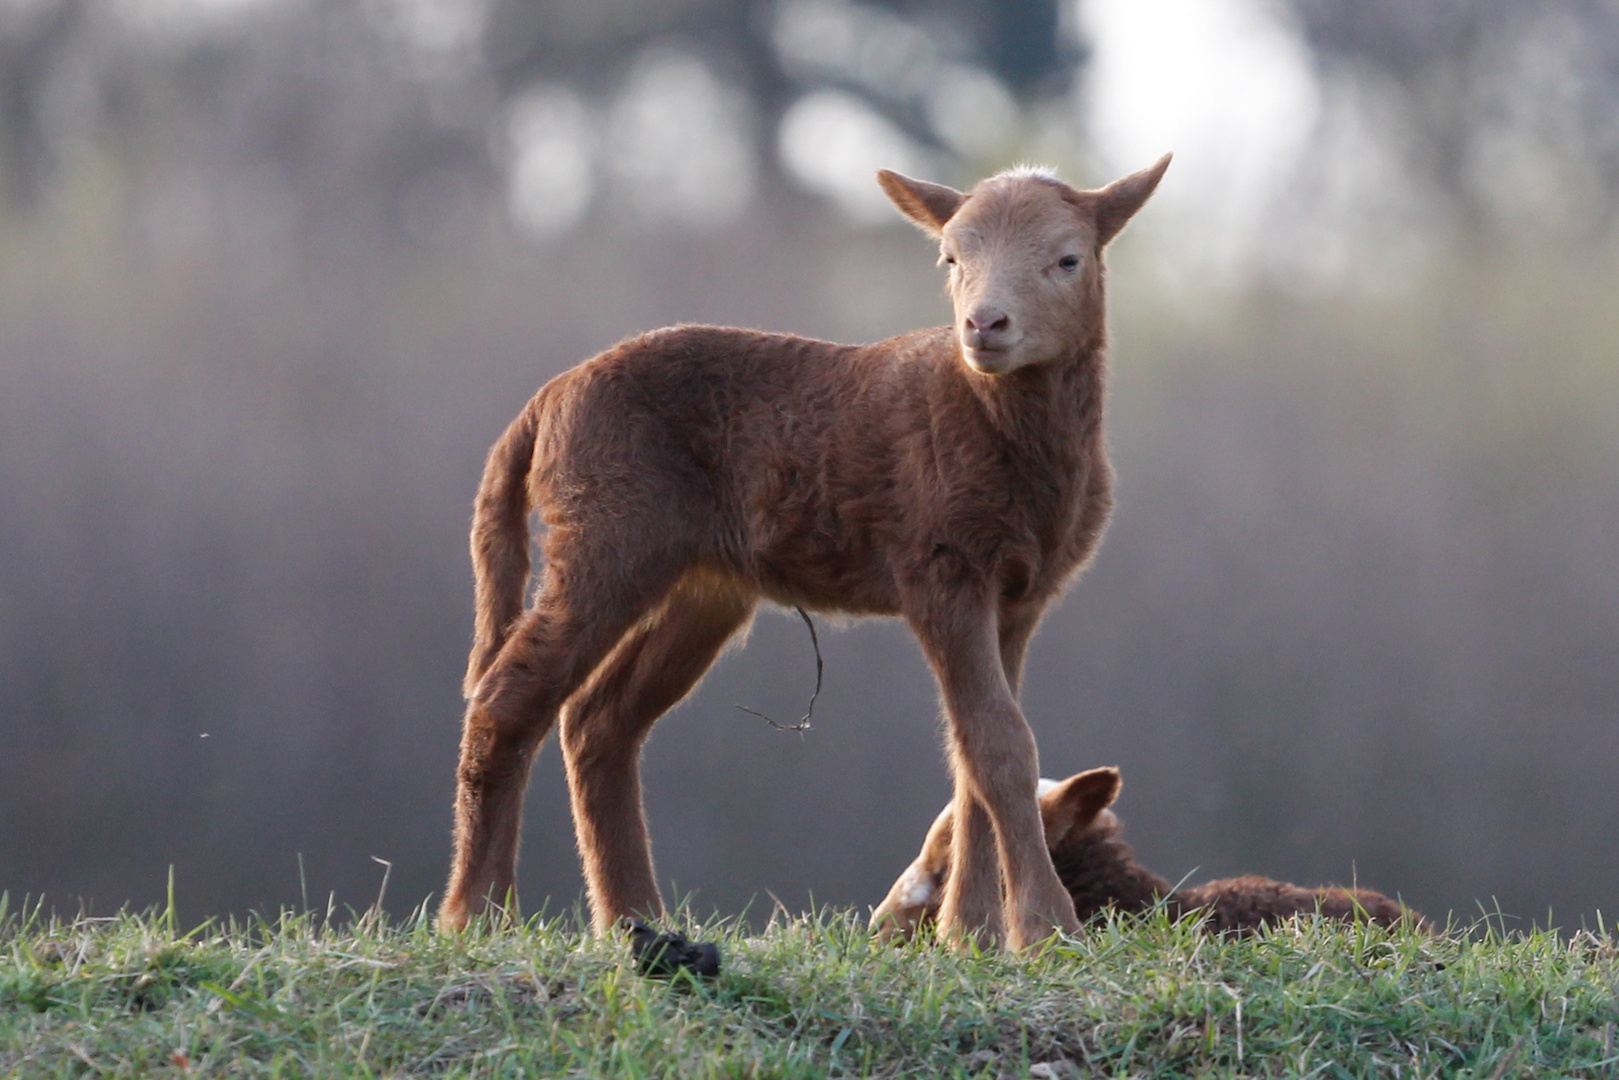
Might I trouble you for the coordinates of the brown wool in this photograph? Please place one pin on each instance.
(954, 477)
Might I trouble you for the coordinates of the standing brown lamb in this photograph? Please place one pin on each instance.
(956, 477)
(1100, 871)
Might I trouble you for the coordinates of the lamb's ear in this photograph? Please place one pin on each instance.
(928, 205)
(1074, 804)
(1118, 202)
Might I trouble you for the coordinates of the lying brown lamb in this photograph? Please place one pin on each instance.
(1100, 871)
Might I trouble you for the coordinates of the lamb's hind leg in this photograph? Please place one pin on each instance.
(604, 726)
(588, 600)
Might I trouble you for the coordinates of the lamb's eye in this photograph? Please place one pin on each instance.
(949, 260)
(1069, 262)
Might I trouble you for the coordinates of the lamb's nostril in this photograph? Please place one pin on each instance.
(989, 321)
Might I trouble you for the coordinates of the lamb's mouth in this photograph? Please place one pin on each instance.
(986, 360)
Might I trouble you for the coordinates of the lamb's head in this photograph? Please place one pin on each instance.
(1024, 252)
(1070, 809)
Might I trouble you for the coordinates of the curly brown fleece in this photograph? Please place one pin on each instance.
(1100, 871)
(955, 477)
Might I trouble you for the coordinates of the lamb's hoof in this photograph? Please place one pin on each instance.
(662, 956)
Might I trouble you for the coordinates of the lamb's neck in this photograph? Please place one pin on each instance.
(1102, 872)
(1049, 409)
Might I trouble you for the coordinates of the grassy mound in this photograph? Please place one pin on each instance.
(810, 997)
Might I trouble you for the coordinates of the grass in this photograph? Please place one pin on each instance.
(809, 997)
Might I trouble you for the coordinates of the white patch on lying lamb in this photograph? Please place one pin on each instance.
(918, 885)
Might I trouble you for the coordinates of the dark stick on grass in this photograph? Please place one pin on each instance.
(803, 724)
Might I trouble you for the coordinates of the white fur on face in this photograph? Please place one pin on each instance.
(1044, 787)
(917, 887)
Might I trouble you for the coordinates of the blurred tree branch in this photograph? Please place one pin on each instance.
(1504, 102)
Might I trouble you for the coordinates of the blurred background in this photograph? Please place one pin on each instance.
(275, 273)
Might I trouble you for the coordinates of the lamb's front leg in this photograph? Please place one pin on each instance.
(996, 768)
(971, 905)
